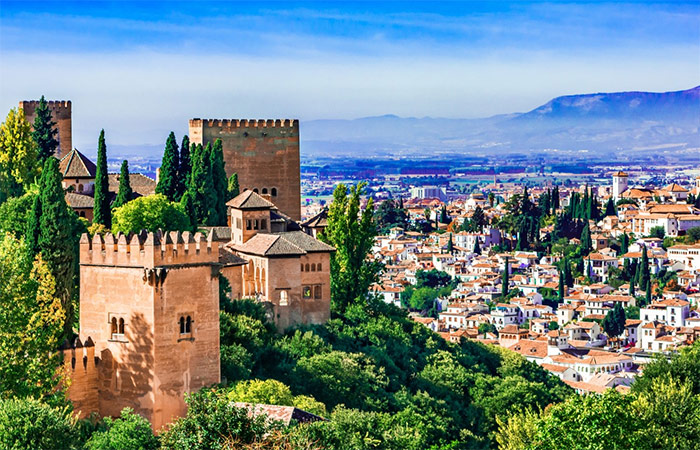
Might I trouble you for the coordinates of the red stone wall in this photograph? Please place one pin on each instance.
(61, 112)
(264, 153)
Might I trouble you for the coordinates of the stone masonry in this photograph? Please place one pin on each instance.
(61, 114)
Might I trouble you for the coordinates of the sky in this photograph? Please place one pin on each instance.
(141, 69)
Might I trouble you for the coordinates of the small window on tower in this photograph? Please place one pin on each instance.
(248, 224)
(182, 325)
(264, 191)
(115, 330)
(273, 192)
(317, 292)
(263, 224)
(307, 292)
(188, 325)
(121, 326)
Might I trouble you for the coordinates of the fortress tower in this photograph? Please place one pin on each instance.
(61, 114)
(619, 184)
(149, 321)
(264, 154)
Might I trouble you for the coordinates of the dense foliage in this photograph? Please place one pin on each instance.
(18, 155)
(30, 424)
(150, 213)
(101, 211)
(125, 193)
(168, 183)
(128, 432)
(45, 131)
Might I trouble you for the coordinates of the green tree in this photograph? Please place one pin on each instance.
(586, 242)
(647, 296)
(682, 367)
(29, 424)
(505, 279)
(450, 245)
(233, 187)
(45, 131)
(657, 232)
(101, 212)
(125, 193)
(202, 187)
(57, 236)
(129, 431)
(443, 215)
(479, 219)
(214, 422)
(561, 289)
(219, 181)
(15, 214)
(150, 213)
(18, 155)
(610, 208)
(624, 244)
(32, 320)
(184, 170)
(644, 274)
(168, 184)
(477, 247)
(352, 233)
(187, 207)
(614, 321)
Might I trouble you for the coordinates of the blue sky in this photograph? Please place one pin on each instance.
(142, 69)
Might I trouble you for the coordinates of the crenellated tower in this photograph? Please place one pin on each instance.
(61, 112)
(264, 154)
(149, 305)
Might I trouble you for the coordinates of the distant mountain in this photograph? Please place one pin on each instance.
(605, 122)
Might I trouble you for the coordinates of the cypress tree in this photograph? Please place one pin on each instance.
(188, 207)
(631, 290)
(233, 187)
(58, 240)
(125, 192)
(101, 211)
(610, 208)
(168, 180)
(560, 291)
(33, 226)
(644, 271)
(219, 181)
(184, 170)
(555, 198)
(624, 244)
(443, 215)
(522, 243)
(637, 275)
(586, 242)
(450, 245)
(201, 187)
(45, 132)
(504, 279)
(477, 247)
(568, 277)
(647, 297)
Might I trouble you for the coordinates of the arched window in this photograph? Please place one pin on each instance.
(264, 191)
(188, 325)
(82, 213)
(273, 192)
(115, 330)
(306, 268)
(283, 297)
(121, 325)
(182, 325)
(318, 267)
(255, 190)
(302, 267)
(313, 267)
(80, 188)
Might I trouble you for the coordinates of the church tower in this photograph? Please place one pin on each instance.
(619, 184)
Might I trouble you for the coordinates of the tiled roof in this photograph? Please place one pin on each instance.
(140, 184)
(305, 242)
(249, 200)
(76, 165)
(79, 200)
(320, 220)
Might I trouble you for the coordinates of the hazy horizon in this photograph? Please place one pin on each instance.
(140, 71)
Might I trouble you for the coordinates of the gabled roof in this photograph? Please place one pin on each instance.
(318, 221)
(673, 187)
(76, 165)
(76, 200)
(288, 243)
(249, 200)
(141, 185)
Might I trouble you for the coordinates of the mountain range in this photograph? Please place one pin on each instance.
(601, 124)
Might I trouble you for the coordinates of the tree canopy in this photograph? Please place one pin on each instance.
(150, 213)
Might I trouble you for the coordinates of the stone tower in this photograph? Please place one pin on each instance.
(264, 154)
(619, 184)
(149, 305)
(61, 114)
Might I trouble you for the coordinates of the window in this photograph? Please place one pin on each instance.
(182, 325)
(263, 224)
(306, 291)
(80, 188)
(302, 267)
(117, 326)
(283, 297)
(255, 190)
(255, 224)
(264, 191)
(273, 192)
(121, 326)
(248, 224)
(188, 325)
(238, 223)
(306, 268)
(317, 292)
(114, 326)
(185, 325)
(318, 267)
(313, 267)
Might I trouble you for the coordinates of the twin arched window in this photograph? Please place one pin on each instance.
(117, 327)
(185, 324)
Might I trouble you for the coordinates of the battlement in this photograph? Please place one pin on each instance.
(53, 104)
(148, 249)
(77, 354)
(81, 369)
(245, 123)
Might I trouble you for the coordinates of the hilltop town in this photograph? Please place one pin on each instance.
(177, 311)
